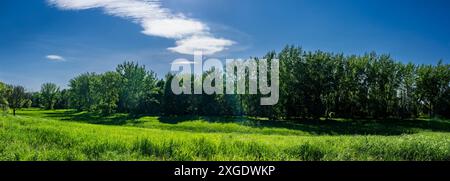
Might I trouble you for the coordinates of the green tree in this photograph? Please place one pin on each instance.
(81, 92)
(408, 106)
(49, 93)
(16, 98)
(433, 84)
(133, 85)
(150, 102)
(63, 100)
(107, 92)
(292, 66)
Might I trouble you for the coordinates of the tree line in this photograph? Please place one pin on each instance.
(312, 84)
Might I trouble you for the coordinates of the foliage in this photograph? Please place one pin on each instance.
(106, 92)
(4, 92)
(16, 98)
(312, 85)
(50, 94)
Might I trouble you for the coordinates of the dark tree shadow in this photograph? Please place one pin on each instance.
(329, 127)
(92, 118)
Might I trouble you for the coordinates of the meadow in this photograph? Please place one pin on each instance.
(36, 134)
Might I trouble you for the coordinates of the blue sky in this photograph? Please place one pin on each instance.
(53, 41)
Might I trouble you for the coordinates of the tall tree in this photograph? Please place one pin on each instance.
(408, 106)
(433, 84)
(82, 91)
(150, 101)
(63, 100)
(17, 98)
(107, 92)
(49, 93)
(292, 66)
(133, 78)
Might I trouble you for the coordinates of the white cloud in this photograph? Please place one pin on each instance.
(209, 45)
(173, 28)
(55, 58)
(156, 21)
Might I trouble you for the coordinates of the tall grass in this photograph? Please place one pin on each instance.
(31, 138)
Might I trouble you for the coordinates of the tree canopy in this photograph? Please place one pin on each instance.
(312, 85)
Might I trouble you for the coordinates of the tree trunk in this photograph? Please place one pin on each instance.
(14, 112)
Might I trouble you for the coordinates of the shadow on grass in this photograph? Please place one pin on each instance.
(92, 118)
(315, 127)
(329, 127)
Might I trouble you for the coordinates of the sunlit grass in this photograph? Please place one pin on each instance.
(30, 136)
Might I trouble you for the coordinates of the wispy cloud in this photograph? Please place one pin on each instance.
(207, 44)
(189, 34)
(55, 58)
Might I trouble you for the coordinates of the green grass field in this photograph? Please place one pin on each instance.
(67, 135)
